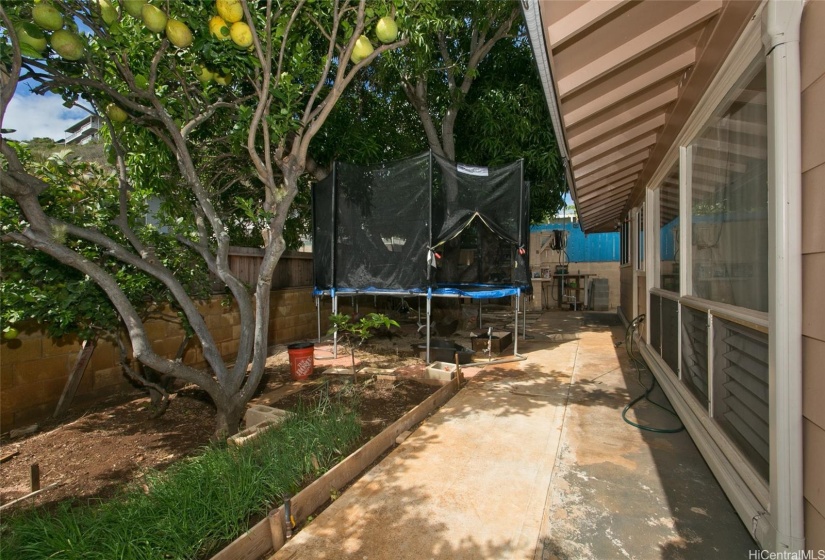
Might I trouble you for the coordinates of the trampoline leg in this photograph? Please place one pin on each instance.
(429, 311)
(479, 313)
(318, 313)
(515, 326)
(523, 322)
(335, 334)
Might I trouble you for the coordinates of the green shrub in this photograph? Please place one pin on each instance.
(197, 506)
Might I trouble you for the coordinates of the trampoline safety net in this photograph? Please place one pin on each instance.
(379, 228)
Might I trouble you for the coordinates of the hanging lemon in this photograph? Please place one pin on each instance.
(178, 33)
(363, 48)
(241, 34)
(133, 7)
(115, 113)
(153, 18)
(47, 17)
(386, 30)
(29, 34)
(230, 10)
(67, 44)
(219, 28)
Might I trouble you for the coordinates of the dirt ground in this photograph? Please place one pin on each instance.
(97, 451)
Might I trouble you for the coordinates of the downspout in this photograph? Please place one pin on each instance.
(535, 31)
(780, 35)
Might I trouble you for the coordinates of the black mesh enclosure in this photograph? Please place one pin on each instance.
(322, 228)
(485, 211)
(373, 227)
(372, 223)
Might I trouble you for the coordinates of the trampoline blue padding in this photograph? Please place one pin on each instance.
(473, 291)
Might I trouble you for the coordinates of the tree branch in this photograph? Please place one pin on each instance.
(9, 81)
(417, 96)
(141, 348)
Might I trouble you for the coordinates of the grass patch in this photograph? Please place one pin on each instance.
(197, 506)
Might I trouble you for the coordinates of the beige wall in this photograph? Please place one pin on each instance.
(813, 270)
(34, 369)
(626, 301)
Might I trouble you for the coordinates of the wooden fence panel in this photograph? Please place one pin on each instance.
(294, 269)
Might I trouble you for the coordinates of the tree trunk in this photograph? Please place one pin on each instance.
(228, 420)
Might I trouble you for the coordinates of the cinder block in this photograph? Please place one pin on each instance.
(222, 334)
(20, 350)
(212, 321)
(60, 346)
(87, 382)
(229, 348)
(6, 421)
(7, 377)
(155, 330)
(105, 355)
(193, 354)
(174, 328)
(43, 369)
(442, 371)
(214, 306)
(107, 378)
(33, 414)
(258, 413)
(283, 311)
(30, 394)
(252, 432)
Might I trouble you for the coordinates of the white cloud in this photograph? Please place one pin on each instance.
(39, 116)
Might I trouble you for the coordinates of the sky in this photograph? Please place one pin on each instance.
(39, 116)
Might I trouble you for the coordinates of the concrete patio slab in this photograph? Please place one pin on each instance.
(532, 460)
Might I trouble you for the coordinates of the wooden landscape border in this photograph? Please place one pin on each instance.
(269, 534)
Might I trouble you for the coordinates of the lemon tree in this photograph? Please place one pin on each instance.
(38, 292)
(197, 109)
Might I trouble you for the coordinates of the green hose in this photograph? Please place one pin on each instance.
(631, 328)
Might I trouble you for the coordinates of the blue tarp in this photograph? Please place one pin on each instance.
(595, 247)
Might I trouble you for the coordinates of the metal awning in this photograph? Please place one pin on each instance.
(621, 77)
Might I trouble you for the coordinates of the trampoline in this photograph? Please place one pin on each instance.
(387, 229)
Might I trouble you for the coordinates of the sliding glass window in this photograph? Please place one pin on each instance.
(669, 231)
(729, 192)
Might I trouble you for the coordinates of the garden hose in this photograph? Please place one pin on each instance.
(637, 362)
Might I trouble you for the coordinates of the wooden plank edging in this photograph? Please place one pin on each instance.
(268, 534)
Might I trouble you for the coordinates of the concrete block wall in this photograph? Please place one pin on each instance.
(34, 368)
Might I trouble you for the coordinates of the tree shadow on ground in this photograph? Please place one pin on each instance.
(626, 492)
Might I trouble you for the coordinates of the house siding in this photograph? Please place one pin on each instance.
(812, 46)
(626, 282)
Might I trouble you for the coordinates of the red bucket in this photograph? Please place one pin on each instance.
(301, 359)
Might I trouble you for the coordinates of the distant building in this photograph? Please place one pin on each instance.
(83, 132)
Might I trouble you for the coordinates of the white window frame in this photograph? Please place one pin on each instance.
(772, 510)
(625, 241)
(640, 241)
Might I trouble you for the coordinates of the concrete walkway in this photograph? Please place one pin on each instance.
(532, 460)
